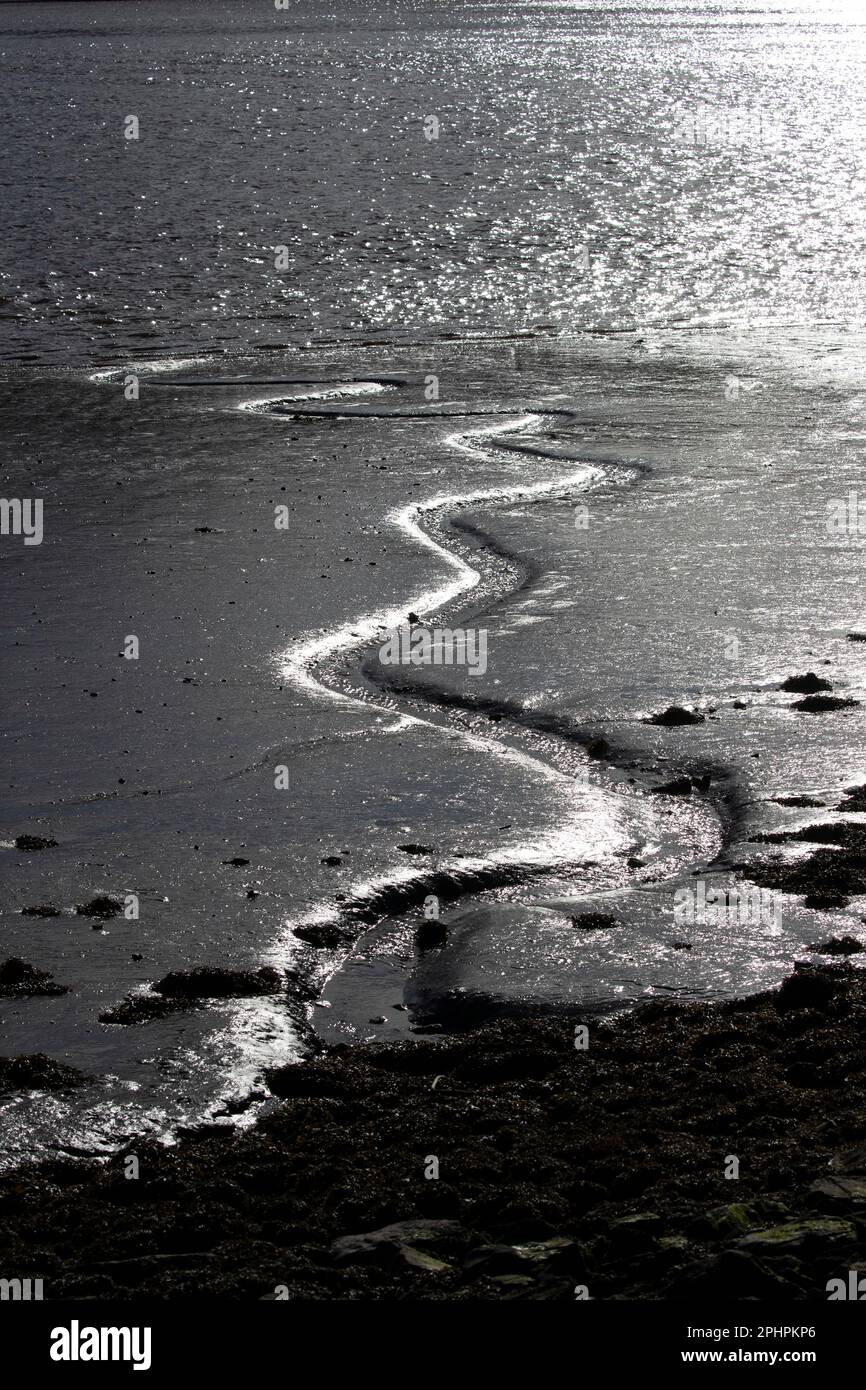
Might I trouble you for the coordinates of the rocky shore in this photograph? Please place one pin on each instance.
(681, 1151)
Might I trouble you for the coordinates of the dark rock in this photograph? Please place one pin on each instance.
(595, 921)
(838, 946)
(681, 945)
(141, 1008)
(854, 799)
(20, 980)
(675, 715)
(41, 910)
(678, 786)
(817, 704)
(215, 982)
(100, 906)
(325, 935)
(30, 843)
(809, 684)
(415, 849)
(37, 1072)
(805, 989)
(499, 1260)
(431, 931)
(332, 861)
(237, 862)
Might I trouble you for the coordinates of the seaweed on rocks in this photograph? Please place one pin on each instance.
(558, 1166)
(37, 1072)
(101, 906)
(674, 716)
(30, 843)
(217, 982)
(143, 1008)
(819, 704)
(809, 684)
(20, 980)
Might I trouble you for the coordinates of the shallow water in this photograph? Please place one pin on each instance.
(590, 174)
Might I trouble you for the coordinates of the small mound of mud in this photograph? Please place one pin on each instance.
(675, 715)
(20, 980)
(31, 843)
(36, 1072)
(809, 684)
(215, 982)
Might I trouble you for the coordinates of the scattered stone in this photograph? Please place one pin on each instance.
(30, 843)
(809, 684)
(100, 906)
(20, 980)
(797, 1236)
(847, 1189)
(333, 861)
(675, 715)
(215, 982)
(386, 1243)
